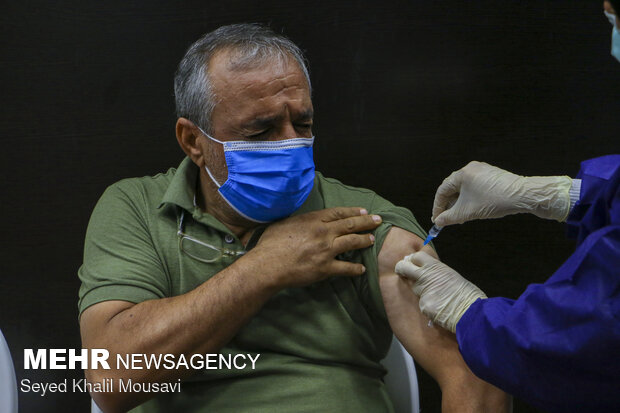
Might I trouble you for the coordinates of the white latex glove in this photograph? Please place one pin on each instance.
(444, 294)
(482, 191)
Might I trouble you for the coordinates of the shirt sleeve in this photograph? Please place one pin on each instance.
(120, 261)
(556, 346)
(392, 216)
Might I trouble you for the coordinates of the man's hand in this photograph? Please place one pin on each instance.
(444, 294)
(301, 250)
(483, 191)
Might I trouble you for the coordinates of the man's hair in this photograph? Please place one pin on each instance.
(252, 45)
(616, 5)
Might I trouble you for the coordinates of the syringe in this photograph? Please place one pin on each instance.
(432, 233)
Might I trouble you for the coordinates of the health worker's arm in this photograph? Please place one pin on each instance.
(294, 252)
(434, 348)
(483, 191)
(556, 346)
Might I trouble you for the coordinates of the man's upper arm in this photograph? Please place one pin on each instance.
(434, 348)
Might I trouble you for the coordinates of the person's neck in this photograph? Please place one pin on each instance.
(209, 200)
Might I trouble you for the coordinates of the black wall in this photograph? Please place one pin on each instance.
(404, 93)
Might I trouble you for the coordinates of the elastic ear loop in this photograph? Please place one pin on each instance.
(206, 167)
(212, 177)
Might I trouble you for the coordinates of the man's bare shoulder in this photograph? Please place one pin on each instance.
(398, 243)
(434, 348)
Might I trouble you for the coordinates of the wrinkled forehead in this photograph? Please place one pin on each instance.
(239, 74)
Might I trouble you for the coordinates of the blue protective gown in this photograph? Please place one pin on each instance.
(558, 345)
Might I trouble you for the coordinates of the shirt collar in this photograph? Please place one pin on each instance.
(314, 202)
(182, 188)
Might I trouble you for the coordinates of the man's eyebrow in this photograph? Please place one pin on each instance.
(306, 115)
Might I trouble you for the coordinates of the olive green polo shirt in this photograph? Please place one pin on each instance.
(319, 345)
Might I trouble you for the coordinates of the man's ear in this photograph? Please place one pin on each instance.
(187, 136)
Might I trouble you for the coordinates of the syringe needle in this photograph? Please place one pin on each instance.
(432, 233)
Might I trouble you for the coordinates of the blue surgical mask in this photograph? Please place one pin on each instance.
(615, 36)
(267, 180)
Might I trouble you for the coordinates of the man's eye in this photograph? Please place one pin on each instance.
(304, 125)
(257, 134)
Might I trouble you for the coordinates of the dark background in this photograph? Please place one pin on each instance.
(404, 93)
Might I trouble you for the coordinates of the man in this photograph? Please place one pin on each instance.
(558, 345)
(245, 250)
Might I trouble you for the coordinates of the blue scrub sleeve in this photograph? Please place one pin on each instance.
(558, 345)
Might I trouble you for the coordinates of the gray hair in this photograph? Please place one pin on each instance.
(252, 45)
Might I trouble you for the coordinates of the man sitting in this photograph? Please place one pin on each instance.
(244, 249)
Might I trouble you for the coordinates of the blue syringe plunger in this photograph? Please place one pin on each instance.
(432, 233)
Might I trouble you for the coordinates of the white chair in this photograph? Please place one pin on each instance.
(94, 408)
(401, 380)
(8, 382)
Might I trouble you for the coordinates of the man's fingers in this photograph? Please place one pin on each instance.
(334, 214)
(345, 268)
(352, 225)
(351, 242)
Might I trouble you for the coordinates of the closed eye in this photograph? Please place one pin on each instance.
(304, 127)
(258, 134)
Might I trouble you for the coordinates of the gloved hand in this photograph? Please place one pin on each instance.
(482, 191)
(444, 294)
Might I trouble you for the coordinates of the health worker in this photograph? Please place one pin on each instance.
(558, 345)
